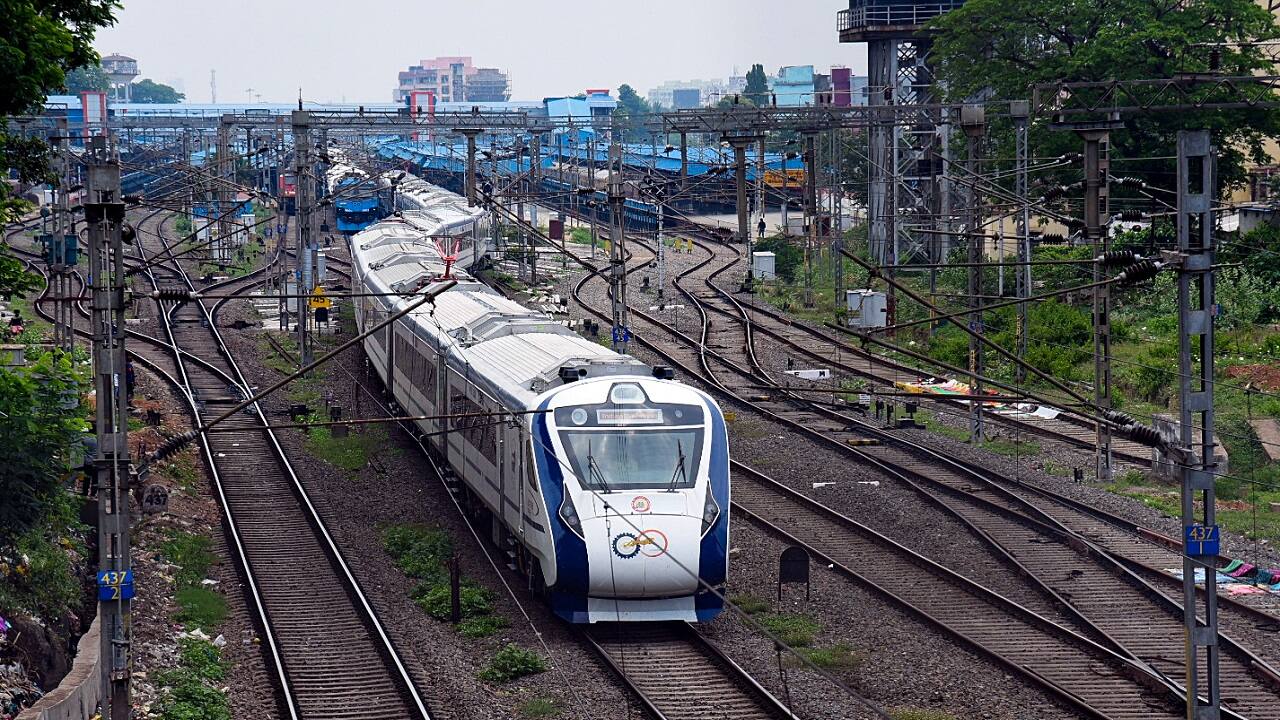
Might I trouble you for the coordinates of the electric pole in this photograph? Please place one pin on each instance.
(535, 188)
(661, 198)
(617, 254)
(104, 217)
(1196, 193)
(224, 169)
(304, 174)
(1020, 111)
(60, 243)
(739, 144)
(471, 165)
(1095, 188)
(810, 212)
(973, 120)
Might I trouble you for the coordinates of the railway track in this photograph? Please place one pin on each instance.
(330, 656)
(1094, 679)
(1107, 600)
(680, 675)
(673, 670)
(337, 660)
(829, 348)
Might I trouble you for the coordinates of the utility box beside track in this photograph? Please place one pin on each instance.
(866, 308)
(762, 266)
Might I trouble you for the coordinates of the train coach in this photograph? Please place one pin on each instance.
(607, 479)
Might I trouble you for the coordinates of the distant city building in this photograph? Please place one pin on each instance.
(454, 79)
(793, 86)
(685, 98)
(709, 91)
(120, 70)
(580, 114)
(842, 88)
(488, 85)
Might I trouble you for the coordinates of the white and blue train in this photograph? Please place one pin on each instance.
(607, 479)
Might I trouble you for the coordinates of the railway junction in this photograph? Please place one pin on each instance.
(925, 408)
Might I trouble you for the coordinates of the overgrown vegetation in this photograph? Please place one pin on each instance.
(198, 606)
(840, 656)
(512, 662)
(539, 708)
(350, 452)
(423, 554)
(192, 689)
(792, 629)
(1060, 344)
(750, 604)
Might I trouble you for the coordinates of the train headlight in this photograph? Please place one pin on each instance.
(569, 514)
(710, 511)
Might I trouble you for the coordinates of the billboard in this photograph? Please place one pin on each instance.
(94, 105)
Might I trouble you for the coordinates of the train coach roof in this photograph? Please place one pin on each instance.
(526, 364)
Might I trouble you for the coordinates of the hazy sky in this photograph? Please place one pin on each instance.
(351, 50)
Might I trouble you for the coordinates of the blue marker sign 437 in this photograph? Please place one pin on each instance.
(115, 584)
(1201, 540)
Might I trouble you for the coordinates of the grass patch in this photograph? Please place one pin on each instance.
(136, 424)
(199, 607)
(512, 662)
(1056, 469)
(539, 708)
(750, 604)
(792, 629)
(349, 453)
(1001, 446)
(182, 469)
(932, 424)
(190, 691)
(473, 601)
(422, 553)
(192, 554)
(483, 626)
(837, 657)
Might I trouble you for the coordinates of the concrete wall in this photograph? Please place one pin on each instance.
(76, 697)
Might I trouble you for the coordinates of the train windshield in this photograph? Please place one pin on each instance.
(619, 460)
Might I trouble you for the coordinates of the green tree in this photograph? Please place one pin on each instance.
(728, 101)
(757, 90)
(40, 41)
(148, 91)
(39, 421)
(630, 107)
(1001, 48)
(89, 77)
(630, 101)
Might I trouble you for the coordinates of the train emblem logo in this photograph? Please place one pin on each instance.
(641, 504)
(652, 543)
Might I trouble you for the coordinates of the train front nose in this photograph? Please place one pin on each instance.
(643, 556)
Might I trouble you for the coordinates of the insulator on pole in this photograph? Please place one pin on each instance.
(171, 446)
(1132, 215)
(1112, 258)
(1118, 417)
(1145, 434)
(173, 294)
(1054, 192)
(1140, 271)
(1128, 181)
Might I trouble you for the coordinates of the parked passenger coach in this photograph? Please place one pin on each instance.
(609, 481)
